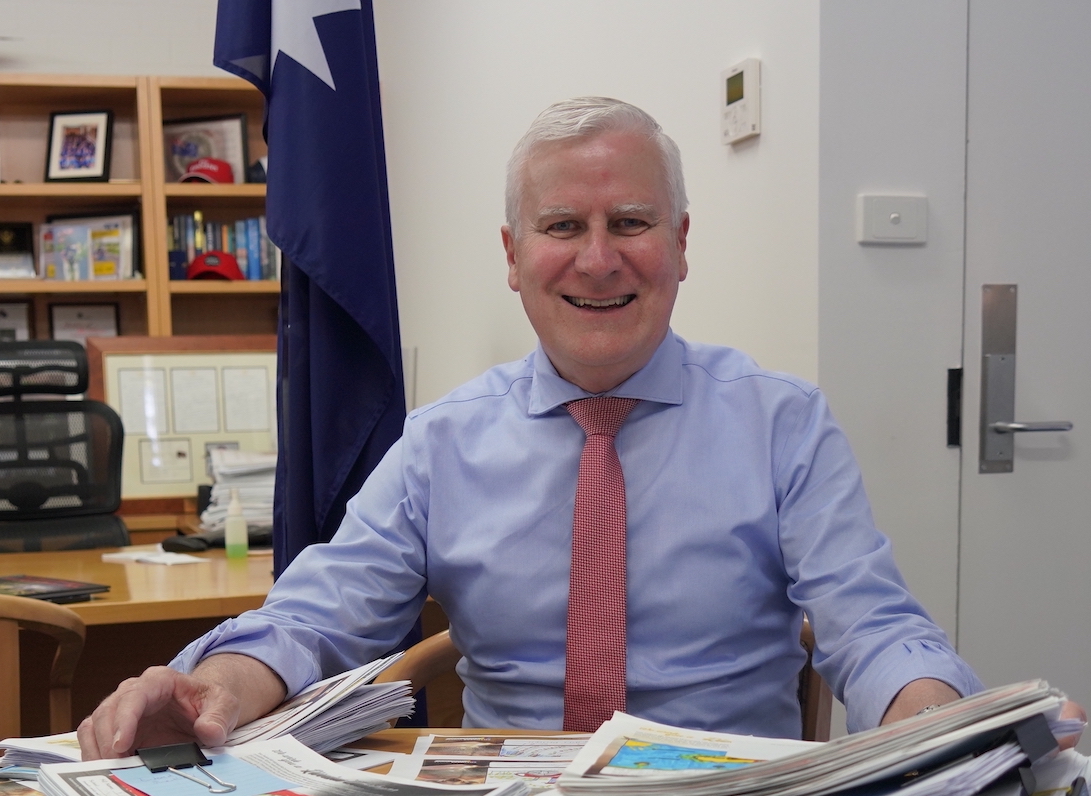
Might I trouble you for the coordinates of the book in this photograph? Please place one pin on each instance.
(111, 247)
(54, 590)
(65, 251)
(253, 249)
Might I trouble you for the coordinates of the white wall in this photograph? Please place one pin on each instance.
(461, 82)
(108, 37)
(893, 120)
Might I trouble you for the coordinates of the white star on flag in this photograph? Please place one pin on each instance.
(295, 35)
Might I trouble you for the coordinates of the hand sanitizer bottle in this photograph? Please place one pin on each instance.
(236, 539)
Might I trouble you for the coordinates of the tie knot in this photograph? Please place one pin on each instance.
(601, 415)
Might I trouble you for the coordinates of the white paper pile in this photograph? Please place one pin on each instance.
(253, 475)
(335, 711)
(328, 714)
(632, 757)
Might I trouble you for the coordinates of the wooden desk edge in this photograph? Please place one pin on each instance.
(114, 613)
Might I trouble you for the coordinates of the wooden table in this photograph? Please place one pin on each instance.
(149, 614)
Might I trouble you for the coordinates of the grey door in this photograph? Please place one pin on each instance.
(1025, 542)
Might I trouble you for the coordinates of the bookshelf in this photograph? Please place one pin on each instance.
(153, 305)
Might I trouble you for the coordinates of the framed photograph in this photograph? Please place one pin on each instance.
(79, 146)
(221, 138)
(17, 250)
(80, 321)
(14, 321)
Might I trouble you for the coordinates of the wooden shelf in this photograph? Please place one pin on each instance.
(224, 286)
(88, 190)
(154, 305)
(8, 286)
(205, 190)
(46, 83)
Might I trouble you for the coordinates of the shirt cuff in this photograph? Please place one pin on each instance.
(261, 641)
(867, 698)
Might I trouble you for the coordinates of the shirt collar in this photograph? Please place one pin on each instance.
(659, 381)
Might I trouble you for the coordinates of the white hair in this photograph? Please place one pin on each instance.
(583, 117)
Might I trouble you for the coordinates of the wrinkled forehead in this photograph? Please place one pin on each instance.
(584, 158)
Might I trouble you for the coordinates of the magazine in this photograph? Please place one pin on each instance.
(629, 756)
(52, 589)
(282, 766)
(537, 760)
(328, 714)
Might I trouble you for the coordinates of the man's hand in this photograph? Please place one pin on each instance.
(922, 693)
(163, 706)
(1072, 710)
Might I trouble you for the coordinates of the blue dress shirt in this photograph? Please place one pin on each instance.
(745, 510)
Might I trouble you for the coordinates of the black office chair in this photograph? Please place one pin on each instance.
(60, 460)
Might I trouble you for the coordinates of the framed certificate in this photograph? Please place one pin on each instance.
(179, 398)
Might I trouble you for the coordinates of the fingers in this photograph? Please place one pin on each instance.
(159, 707)
(1072, 710)
(110, 730)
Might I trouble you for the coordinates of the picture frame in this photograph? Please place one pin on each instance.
(220, 137)
(178, 398)
(17, 250)
(15, 321)
(79, 146)
(79, 321)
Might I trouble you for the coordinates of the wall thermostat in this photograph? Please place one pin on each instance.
(740, 98)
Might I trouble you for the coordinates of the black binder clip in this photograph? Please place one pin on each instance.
(1034, 737)
(173, 757)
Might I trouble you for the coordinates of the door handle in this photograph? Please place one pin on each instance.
(998, 425)
(1006, 427)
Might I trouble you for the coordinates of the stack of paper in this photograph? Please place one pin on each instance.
(330, 713)
(335, 711)
(252, 474)
(631, 757)
(282, 766)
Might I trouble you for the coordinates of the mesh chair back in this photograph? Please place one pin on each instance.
(60, 460)
(42, 367)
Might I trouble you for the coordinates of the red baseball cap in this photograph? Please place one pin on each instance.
(208, 170)
(214, 265)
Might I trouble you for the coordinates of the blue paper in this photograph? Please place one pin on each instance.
(248, 780)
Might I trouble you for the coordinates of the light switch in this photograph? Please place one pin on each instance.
(891, 219)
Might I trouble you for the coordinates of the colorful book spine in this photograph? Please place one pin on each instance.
(253, 249)
(264, 237)
(240, 244)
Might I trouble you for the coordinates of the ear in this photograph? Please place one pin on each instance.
(683, 231)
(508, 237)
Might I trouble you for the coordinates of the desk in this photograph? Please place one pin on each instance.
(149, 614)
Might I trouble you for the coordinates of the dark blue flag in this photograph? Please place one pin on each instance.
(340, 390)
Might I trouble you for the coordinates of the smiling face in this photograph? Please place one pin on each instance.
(596, 258)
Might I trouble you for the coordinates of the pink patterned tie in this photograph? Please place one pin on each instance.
(594, 677)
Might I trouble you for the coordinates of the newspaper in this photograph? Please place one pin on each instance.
(537, 760)
(328, 714)
(629, 756)
(282, 766)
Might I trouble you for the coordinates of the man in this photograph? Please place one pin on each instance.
(745, 508)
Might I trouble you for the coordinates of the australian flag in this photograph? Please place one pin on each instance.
(340, 389)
